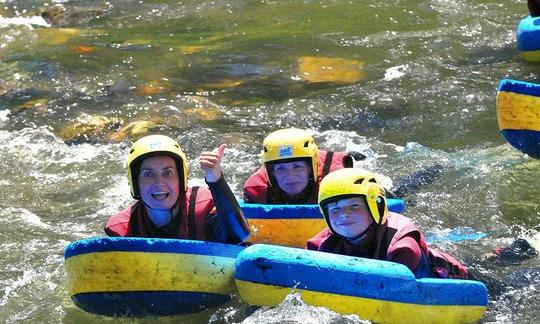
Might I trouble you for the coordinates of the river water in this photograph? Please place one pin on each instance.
(409, 83)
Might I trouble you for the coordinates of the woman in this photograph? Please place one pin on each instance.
(292, 169)
(166, 207)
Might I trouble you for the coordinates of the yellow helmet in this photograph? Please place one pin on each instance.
(290, 144)
(152, 145)
(349, 182)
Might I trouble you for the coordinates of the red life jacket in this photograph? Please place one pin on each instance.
(259, 190)
(433, 263)
(195, 209)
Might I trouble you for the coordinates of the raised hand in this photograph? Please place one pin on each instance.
(210, 163)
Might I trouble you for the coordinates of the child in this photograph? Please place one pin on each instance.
(166, 207)
(293, 168)
(353, 203)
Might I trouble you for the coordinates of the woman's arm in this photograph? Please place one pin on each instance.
(232, 225)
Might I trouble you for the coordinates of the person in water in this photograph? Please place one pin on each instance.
(534, 7)
(517, 252)
(353, 203)
(166, 207)
(292, 169)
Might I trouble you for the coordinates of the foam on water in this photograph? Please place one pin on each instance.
(28, 217)
(23, 21)
(294, 310)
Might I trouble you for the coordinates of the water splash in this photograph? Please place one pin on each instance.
(25, 216)
(294, 310)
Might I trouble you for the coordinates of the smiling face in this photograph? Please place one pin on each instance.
(349, 217)
(292, 177)
(159, 182)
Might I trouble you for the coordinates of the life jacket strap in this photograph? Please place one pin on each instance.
(327, 163)
(192, 226)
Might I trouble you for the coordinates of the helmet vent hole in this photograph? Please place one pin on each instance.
(265, 149)
(306, 144)
(359, 181)
(372, 180)
(131, 151)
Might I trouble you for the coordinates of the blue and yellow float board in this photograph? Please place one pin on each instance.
(144, 276)
(379, 291)
(518, 114)
(528, 38)
(291, 225)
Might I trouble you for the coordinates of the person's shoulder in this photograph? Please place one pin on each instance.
(120, 217)
(258, 177)
(118, 224)
(203, 193)
(402, 223)
(321, 154)
(256, 186)
(341, 154)
(339, 159)
(398, 217)
(314, 242)
(325, 232)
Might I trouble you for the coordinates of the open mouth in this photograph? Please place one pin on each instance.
(160, 195)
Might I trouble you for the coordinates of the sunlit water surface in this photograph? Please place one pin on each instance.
(78, 86)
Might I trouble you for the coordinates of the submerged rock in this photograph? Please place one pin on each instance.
(101, 129)
(329, 69)
(192, 49)
(62, 15)
(89, 128)
(59, 36)
(38, 105)
(223, 84)
(203, 109)
(135, 130)
(155, 87)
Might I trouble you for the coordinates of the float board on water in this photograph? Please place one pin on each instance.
(518, 114)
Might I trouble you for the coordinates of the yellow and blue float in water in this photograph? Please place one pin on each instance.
(136, 277)
(518, 114)
(528, 38)
(291, 225)
(379, 291)
(143, 276)
(128, 276)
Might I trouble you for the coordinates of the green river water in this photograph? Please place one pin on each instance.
(409, 83)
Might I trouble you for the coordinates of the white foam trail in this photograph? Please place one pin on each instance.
(28, 217)
(22, 21)
(4, 117)
(34, 220)
(26, 278)
(395, 72)
(535, 241)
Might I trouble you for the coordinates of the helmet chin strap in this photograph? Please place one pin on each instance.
(357, 239)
